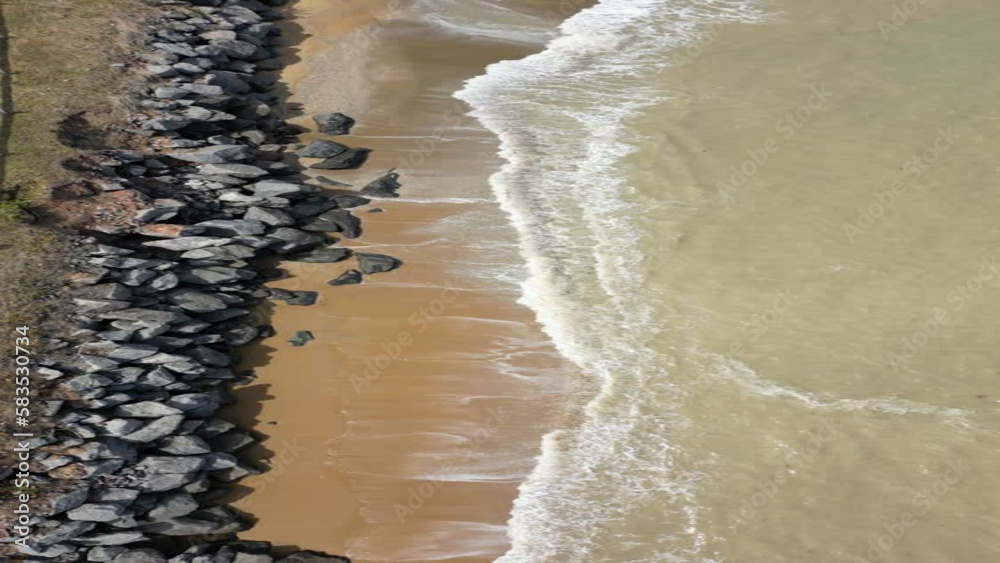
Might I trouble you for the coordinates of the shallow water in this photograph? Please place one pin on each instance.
(764, 233)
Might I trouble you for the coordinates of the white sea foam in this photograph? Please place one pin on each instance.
(561, 116)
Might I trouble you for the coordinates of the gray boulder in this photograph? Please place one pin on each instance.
(386, 186)
(154, 430)
(187, 243)
(146, 409)
(322, 149)
(322, 255)
(96, 512)
(334, 123)
(336, 221)
(347, 160)
(217, 154)
(350, 277)
(375, 263)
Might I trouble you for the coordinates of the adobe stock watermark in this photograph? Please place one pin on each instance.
(901, 14)
(752, 504)
(420, 494)
(928, 328)
(758, 157)
(914, 167)
(923, 502)
(391, 350)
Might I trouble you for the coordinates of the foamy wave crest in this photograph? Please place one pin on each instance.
(561, 117)
(746, 378)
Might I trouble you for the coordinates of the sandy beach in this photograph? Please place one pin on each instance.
(402, 432)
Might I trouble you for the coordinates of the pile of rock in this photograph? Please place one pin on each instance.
(161, 302)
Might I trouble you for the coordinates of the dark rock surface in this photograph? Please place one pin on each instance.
(334, 123)
(350, 277)
(375, 263)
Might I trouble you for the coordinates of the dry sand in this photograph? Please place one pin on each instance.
(402, 432)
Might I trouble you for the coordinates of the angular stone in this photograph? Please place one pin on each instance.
(334, 221)
(386, 186)
(347, 160)
(272, 217)
(375, 263)
(277, 188)
(334, 123)
(233, 169)
(146, 409)
(350, 277)
(170, 464)
(346, 201)
(195, 301)
(173, 505)
(118, 352)
(187, 243)
(184, 445)
(217, 154)
(294, 240)
(322, 149)
(96, 512)
(301, 338)
(140, 556)
(155, 430)
(116, 538)
(321, 255)
(62, 502)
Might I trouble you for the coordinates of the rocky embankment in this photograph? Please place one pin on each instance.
(137, 461)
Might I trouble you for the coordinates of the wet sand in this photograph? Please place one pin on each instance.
(402, 432)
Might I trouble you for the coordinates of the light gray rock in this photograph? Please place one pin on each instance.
(170, 464)
(146, 409)
(140, 556)
(272, 217)
(115, 538)
(160, 482)
(62, 533)
(173, 505)
(118, 352)
(184, 445)
(195, 301)
(347, 160)
(386, 186)
(278, 188)
(187, 243)
(154, 430)
(217, 154)
(233, 169)
(96, 512)
(294, 240)
(101, 554)
(119, 426)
